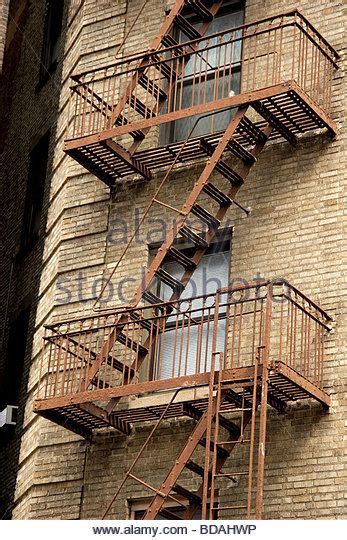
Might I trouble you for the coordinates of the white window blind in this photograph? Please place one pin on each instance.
(187, 349)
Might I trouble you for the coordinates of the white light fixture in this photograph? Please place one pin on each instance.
(8, 415)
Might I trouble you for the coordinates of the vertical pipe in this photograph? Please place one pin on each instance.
(263, 403)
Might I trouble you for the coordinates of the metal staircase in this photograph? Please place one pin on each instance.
(180, 229)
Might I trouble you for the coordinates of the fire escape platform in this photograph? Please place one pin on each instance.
(82, 412)
(290, 110)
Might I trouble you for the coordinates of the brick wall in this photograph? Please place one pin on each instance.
(295, 231)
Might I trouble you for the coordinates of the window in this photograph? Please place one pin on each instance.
(14, 363)
(229, 16)
(35, 191)
(51, 37)
(186, 352)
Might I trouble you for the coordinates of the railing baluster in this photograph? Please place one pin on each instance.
(294, 48)
(230, 76)
(279, 64)
(268, 55)
(188, 339)
(162, 345)
(206, 367)
(254, 63)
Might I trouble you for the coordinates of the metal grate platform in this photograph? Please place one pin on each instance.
(285, 386)
(290, 113)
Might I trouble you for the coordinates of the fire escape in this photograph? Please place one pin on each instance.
(253, 345)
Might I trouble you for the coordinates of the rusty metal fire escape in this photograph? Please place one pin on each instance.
(285, 69)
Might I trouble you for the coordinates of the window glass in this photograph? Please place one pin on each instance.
(187, 350)
(222, 55)
(35, 191)
(14, 363)
(51, 37)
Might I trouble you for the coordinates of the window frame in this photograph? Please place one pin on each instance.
(168, 131)
(222, 242)
(35, 191)
(52, 32)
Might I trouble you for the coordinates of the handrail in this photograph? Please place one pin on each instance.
(242, 286)
(177, 343)
(245, 59)
(141, 54)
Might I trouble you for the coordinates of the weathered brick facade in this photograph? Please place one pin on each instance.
(295, 231)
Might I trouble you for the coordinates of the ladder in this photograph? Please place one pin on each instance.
(210, 423)
(246, 406)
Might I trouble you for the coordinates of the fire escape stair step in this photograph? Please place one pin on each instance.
(191, 236)
(229, 426)
(181, 258)
(223, 200)
(192, 411)
(144, 323)
(277, 123)
(200, 9)
(205, 216)
(122, 121)
(197, 469)
(241, 152)
(135, 346)
(152, 87)
(236, 399)
(186, 28)
(252, 131)
(169, 41)
(166, 67)
(234, 178)
(119, 366)
(169, 280)
(151, 298)
(192, 497)
(222, 452)
(100, 383)
(140, 107)
(196, 414)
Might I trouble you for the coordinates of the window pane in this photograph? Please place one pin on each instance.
(187, 348)
(227, 86)
(217, 76)
(35, 190)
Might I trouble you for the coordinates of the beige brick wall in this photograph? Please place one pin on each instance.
(294, 231)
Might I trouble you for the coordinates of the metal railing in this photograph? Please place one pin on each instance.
(175, 340)
(188, 76)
